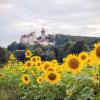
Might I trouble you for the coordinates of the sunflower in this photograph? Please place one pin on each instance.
(51, 69)
(64, 59)
(91, 61)
(60, 69)
(96, 53)
(25, 79)
(40, 80)
(46, 65)
(73, 64)
(34, 60)
(96, 78)
(28, 54)
(54, 61)
(38, 58)
(53, 77)
(12, 57)
(83, 56)
(39, 66)
(20, 63)
(28, 65)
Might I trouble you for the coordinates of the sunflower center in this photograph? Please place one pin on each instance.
(74, 63)
(28, 53)
(52, 76)
(38, 64)
(50, 69)
(38, 59)
(46, 66)
(83, 57)
(33, 59)
(89, 60)
(28, 64)
(98, 51)
(26, 78)
(40, 79)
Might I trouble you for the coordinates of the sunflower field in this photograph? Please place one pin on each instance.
(77, 78)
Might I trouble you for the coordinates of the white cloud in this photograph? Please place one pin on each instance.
(5, 6)
(73, 17)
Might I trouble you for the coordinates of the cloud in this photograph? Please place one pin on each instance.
(71, 17)
(5, 6)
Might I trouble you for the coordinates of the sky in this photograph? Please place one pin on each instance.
(70, 17)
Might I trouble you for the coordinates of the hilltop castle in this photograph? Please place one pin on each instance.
(31, 39)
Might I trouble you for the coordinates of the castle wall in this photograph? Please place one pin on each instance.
(28, 39)
(31, 39)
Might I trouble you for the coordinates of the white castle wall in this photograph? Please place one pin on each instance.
(31, 39)
(28, 39)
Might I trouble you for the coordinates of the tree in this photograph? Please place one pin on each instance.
(61, 39)
(79, 47)
(16, 46)
(12, 46)
(3, 59)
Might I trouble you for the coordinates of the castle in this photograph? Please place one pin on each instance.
(31, 39)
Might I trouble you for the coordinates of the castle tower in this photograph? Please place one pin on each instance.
(43, 33)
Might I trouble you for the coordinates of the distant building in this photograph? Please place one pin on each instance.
(43, 34)
(30, 39)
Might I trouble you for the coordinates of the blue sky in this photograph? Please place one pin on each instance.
(70, 17)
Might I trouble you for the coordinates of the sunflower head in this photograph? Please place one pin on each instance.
(34, 60)
(60, 69)
(96, 78)
(28, 54)
(25, 79)
(40, 80)
(97, 49)
(12, 57)
(90, 60)
(46, 65)
(39, 66)
(64, 59)
(38, 58)
(96, 53)
(54, 61)
(83, 56)
(51, 69)
(53, 77)
(20, 63)
(28, 65)
(73, 64)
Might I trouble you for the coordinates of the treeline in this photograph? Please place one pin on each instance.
(64, 45)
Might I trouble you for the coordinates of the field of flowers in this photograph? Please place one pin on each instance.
(77, 78)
